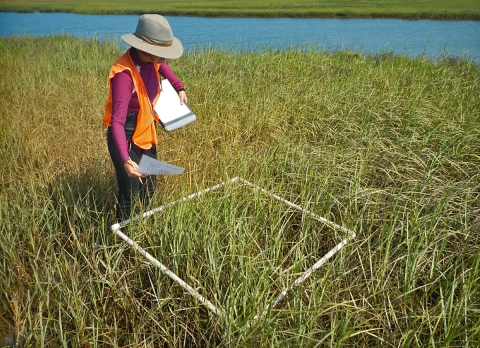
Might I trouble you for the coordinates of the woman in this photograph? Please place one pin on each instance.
(129, 113)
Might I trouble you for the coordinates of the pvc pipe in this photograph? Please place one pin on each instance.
(116, 229)
(169, 273)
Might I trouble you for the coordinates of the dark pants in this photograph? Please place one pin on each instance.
(129, 188)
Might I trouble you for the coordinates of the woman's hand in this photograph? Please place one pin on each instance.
(132, 170)
(183, 97)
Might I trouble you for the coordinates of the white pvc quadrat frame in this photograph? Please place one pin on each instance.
(350, 235)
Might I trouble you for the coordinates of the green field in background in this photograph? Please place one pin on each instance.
(434, 9)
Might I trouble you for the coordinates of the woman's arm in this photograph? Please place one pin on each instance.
(122, 86)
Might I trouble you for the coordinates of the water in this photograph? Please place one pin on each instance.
(427, 38)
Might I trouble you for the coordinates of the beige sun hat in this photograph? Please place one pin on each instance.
(154, 35)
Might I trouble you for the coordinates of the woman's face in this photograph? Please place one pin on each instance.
(150, 58)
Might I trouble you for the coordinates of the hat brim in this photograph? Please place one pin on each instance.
(174, 51)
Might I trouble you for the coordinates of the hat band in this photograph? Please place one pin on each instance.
(153, 41)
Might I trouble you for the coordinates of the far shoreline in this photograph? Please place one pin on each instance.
(252, 14)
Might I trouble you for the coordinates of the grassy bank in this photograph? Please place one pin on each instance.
(432, 9)
(385, 146)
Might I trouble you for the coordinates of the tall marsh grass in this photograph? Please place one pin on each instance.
(386, 146)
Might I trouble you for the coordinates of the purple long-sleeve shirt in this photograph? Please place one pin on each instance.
(125, 98)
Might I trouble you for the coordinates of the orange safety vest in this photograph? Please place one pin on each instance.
(145, 134)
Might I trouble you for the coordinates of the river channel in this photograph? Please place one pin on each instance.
(425, 38)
